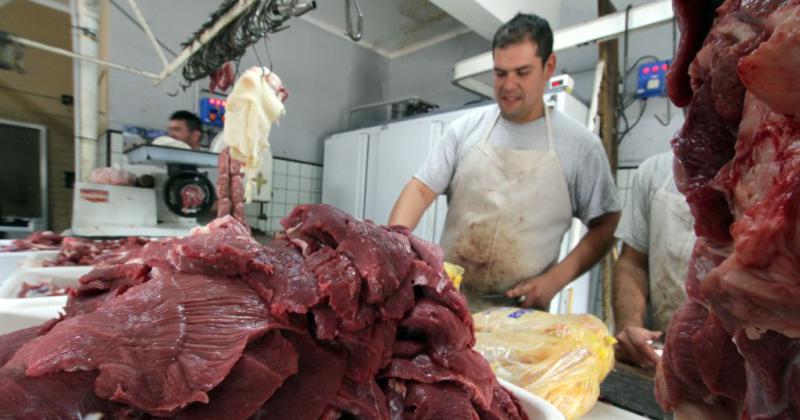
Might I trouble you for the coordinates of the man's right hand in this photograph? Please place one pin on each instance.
(634, 345)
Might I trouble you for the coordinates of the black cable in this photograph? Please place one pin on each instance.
(635, 123)
(136, 22)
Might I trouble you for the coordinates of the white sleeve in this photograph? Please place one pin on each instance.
(438, 169)
(635, 226)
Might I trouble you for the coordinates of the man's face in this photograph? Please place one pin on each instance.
(519, 80)
(179, 130)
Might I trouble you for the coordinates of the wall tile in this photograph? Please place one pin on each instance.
(293, 183)
(305, 197)
(279, 196)
(305, 184)
(292, 197)
(294, 168)
(279, 181)
(279, 166)
(306, 171)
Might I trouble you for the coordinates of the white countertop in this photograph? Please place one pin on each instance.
(604, 411)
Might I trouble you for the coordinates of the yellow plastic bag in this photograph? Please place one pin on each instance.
(455, 272)
(561, 358)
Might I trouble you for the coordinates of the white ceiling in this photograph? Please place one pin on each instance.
(396, 27)
(391, 27)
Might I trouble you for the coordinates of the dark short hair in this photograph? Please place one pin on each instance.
(526, 27)
(190, 118)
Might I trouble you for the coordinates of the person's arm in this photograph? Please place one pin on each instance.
(415, 198)
(630, 291)
(539, 290)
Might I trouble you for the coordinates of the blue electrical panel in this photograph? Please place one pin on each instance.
(653, 79)
(212, 111)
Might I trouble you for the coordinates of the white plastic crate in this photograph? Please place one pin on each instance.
(59, 276)
(535, 407)
(12, 261)
(16, 314)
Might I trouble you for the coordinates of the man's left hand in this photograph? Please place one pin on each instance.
(537, 291)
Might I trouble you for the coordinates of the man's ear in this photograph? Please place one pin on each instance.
(196, 135)
(550, 66)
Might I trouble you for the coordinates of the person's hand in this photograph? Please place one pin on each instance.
(633, 345)
(536, 292)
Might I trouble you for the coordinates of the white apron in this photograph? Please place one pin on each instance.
(507, 214)
(671, 241)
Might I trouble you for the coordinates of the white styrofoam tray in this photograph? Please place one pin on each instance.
(12, 261)
(535, 407)
(16, 315)
(60, 276)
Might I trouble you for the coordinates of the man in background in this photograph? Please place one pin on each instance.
(186, 127)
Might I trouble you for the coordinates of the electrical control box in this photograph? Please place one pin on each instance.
(212, 111)
(653, 79)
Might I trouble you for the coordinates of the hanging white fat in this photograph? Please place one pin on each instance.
(254, 104)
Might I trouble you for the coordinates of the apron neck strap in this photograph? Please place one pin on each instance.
(549, 127)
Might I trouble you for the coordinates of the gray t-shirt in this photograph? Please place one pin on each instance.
(634, 229)
(591, 187)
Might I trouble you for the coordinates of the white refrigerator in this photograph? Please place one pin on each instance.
(366, 169)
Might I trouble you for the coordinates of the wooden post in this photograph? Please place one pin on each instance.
(609, 91)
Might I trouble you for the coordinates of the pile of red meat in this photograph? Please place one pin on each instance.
(735, 343)
(37, 241)
(337, 319)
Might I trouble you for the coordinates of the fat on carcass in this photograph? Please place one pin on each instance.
(254, 105)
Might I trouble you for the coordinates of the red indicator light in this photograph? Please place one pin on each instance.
(646, 70)
(557, 83)
(664, 66)
(655, 69)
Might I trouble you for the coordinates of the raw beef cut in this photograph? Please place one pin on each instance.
(735, 344)
(337, 318)
(41, 289)
(84, 251)
(36, 241)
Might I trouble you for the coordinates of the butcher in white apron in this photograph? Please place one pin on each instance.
(671, 238)
(508, 212)
(512, 194)
(658, 237)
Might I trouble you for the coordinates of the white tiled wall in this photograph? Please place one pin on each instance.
(294, 183)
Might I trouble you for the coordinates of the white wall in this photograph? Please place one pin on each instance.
(428, 73)
(325, 76)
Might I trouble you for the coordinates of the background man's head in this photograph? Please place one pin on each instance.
(186, 127)
(523, 63)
